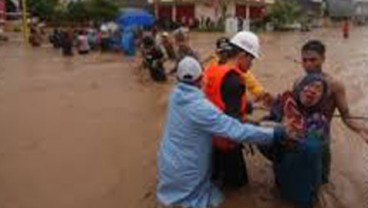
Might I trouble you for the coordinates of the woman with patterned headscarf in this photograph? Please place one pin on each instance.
(298, 161)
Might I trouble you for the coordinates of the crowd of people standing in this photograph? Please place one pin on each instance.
(81, 39)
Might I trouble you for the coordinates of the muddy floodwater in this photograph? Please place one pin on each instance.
(83, 132)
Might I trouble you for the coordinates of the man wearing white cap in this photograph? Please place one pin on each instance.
(184, 160)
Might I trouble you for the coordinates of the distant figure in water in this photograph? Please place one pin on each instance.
(67, 42)
(35, 38)
(345, 29)
(83, 44)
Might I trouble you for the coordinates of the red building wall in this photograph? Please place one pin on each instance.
(185, 13)
(165, 12)
(256, 12)
(2, 11)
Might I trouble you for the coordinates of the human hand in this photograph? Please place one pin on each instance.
(285, 135)
(282, 132)
(294, 129)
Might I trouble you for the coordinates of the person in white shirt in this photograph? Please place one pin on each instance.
(83, 44)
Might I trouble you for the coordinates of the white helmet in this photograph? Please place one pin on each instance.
(189, 70)
(248, 42)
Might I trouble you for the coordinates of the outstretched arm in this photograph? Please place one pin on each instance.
(343, 107)
(209, 118)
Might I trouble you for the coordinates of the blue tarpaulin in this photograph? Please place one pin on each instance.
(127, 42)
(136, 17)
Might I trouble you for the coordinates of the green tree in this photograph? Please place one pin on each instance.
(284, 12)
(77, 11)
(10, 6)
(44, 9)
(102, 10)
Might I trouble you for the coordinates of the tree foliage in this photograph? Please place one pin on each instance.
(44, 9)
(102, 10)
(284, 12)
(75, 11)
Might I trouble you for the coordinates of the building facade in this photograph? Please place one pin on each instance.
(185, 11)
(2, 11)
(340, 8)
(361, 8)
(347, 8)
(313, 7)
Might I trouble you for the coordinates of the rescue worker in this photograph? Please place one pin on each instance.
(224, 85)
(254, 87)
(184, 161)
(223, 48)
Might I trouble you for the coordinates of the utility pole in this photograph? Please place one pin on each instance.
(25, 22)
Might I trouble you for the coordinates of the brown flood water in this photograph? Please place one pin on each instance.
(83, 132)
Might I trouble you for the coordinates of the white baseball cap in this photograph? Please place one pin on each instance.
(189, 70)
(248, 42)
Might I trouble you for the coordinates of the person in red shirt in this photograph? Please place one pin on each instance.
(346, 29)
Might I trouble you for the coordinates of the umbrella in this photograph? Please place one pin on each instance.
(136, 17)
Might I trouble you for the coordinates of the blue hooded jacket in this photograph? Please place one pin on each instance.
(184, 160)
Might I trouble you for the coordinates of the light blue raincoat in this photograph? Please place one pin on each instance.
(184, 161)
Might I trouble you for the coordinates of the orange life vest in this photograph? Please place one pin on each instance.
(213, 79)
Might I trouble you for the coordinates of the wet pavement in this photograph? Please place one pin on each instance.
(84, 131)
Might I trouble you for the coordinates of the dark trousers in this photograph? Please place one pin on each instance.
(158, 73)
(83, 52)
(229, 167)
(67, 50)
(326, 163)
